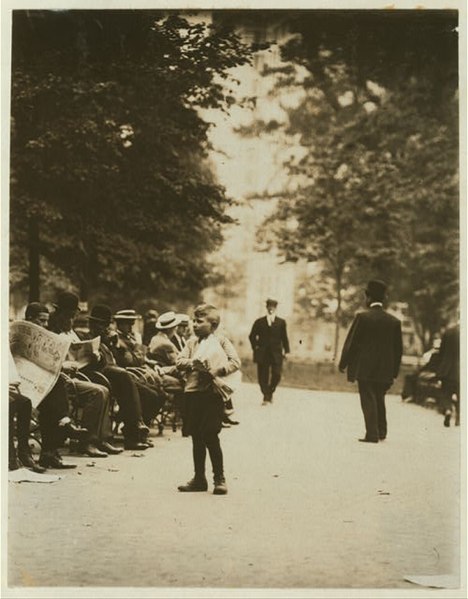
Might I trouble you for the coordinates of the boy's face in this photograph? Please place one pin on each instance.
(202, 326)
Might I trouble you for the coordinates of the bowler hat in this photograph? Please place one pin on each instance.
(271, 302)
(168, 320)
(101, 313)
(34, 309)
(67, 301)
(376, 289)
(126, 315)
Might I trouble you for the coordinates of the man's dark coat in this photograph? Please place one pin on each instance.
(269, 342)
(449, 355)
(373, 347)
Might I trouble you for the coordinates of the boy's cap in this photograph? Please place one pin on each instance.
(376, 289)
(67, 301)
(34, 309)
(271, 302)
(126, 315)
(184, 318)
(101, 313)
(168, 320)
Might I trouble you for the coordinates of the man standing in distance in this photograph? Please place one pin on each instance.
(372, 354)
(270, 344)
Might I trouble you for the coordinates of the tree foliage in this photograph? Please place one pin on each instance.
(109, 151)
(377, 180)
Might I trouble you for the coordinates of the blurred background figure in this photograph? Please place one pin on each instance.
(423, 384)
(182, 331)
(149, 326)
(448, 372)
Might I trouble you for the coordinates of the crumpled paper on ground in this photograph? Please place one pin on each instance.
(23, 475)
(435, 581)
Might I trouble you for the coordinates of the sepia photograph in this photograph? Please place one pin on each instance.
(234, 299)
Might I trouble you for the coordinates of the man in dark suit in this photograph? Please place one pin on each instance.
(448, 372)
(372, 354)
(269, 341)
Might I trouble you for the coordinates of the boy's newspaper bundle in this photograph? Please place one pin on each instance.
(38, 355)
(211, 353)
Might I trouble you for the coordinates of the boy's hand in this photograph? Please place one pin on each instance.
(199, 365)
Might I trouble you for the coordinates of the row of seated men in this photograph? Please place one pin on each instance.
(140, 379)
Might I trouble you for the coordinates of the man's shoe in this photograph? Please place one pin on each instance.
(74, 432)
(135, 445)
(369, 440)
(382, 438)
(225, 425)
(93, 452)
(219, 486)
(28, 462)
(233, 422)
(55, 462)
(195, 485)
(447, 418)
(110, 449)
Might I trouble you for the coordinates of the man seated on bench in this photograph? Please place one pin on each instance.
(55, 422)
(92, 398)
(124, 387)
(130, 353)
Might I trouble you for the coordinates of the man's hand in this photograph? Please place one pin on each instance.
(70, 367)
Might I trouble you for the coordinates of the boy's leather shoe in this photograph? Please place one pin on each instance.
(219, 486)
(194, 485)
(365, 440)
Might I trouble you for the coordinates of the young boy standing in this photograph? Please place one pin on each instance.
(205, 357)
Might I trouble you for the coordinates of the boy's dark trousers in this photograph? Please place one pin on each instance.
(200, 443)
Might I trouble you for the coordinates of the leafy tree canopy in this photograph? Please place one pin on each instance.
(377, 179)
(110, 151)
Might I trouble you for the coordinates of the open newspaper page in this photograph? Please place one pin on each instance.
(82, 352)
(38, 355)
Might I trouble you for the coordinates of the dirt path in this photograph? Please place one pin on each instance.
(308, 506)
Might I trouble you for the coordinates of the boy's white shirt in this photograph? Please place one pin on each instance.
(210, 350)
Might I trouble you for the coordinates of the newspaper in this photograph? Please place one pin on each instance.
(211, 355)
(38, 355)
(83, 352)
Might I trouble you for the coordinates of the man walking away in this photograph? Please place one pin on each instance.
(372, 356)
(269, 341)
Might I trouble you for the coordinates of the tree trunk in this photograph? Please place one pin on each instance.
(34, 259)
(337, 317)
